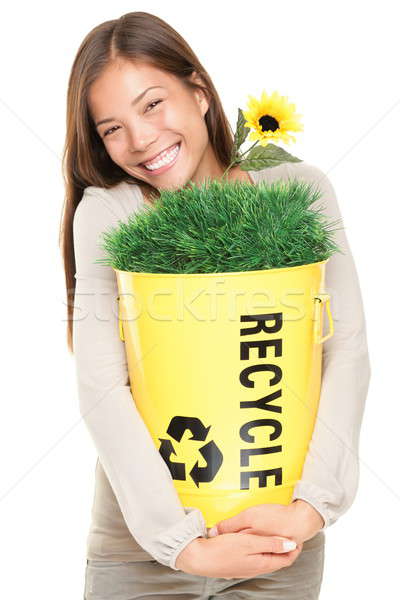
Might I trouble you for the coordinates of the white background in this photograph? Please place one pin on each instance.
(339, 63)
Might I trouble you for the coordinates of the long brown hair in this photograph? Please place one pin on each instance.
(136, 36)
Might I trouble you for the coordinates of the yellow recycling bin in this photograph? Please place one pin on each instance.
(225, 370)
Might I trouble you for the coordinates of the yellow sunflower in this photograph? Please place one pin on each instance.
(271, 118)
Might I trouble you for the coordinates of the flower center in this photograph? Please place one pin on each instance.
(268, 123)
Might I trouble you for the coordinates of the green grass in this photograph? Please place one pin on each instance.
(217, 227)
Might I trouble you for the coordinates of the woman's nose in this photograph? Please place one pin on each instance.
(141, 138)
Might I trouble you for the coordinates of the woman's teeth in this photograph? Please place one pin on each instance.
(164, 159)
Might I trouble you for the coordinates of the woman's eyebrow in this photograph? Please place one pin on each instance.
(132, 104)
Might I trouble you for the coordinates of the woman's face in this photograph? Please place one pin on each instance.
(140, 126)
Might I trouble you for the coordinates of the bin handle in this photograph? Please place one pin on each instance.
(121, 331)
(320, 300)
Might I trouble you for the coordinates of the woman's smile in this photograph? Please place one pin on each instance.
(165, 162)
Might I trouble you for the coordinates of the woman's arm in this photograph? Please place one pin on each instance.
(136, 471)
(331, 470)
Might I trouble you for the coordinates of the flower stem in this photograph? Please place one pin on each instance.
(241, 156)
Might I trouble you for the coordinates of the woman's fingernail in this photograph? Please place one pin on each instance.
(289, 545)
(212, 532)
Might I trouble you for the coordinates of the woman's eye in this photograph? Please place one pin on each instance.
(110, 131)
(155, 102)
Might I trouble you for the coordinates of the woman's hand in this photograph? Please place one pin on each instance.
(299, 521)
(236, 555)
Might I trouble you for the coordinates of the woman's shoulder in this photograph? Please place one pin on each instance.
(300, 170)
(100, 210)
(309, 173)
(114, 203)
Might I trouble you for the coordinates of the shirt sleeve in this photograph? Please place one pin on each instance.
(330, 474)
(137, 473)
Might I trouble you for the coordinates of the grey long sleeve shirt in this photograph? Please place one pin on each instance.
(137, 513)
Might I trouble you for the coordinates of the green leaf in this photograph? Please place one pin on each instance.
(240, 134)
(261, 157)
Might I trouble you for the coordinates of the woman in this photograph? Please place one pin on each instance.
(135, 90)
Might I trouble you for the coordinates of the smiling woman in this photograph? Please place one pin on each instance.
(143, 115)
(163, 126)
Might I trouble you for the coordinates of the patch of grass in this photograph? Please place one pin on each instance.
(217, 227)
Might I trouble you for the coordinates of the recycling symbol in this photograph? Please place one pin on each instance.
(210, 451)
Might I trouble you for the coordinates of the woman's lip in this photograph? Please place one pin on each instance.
(164, 167)
(154, 157)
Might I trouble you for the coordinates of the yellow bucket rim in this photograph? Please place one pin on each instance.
(223, 273)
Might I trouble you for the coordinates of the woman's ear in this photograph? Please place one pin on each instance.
(200, 95)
